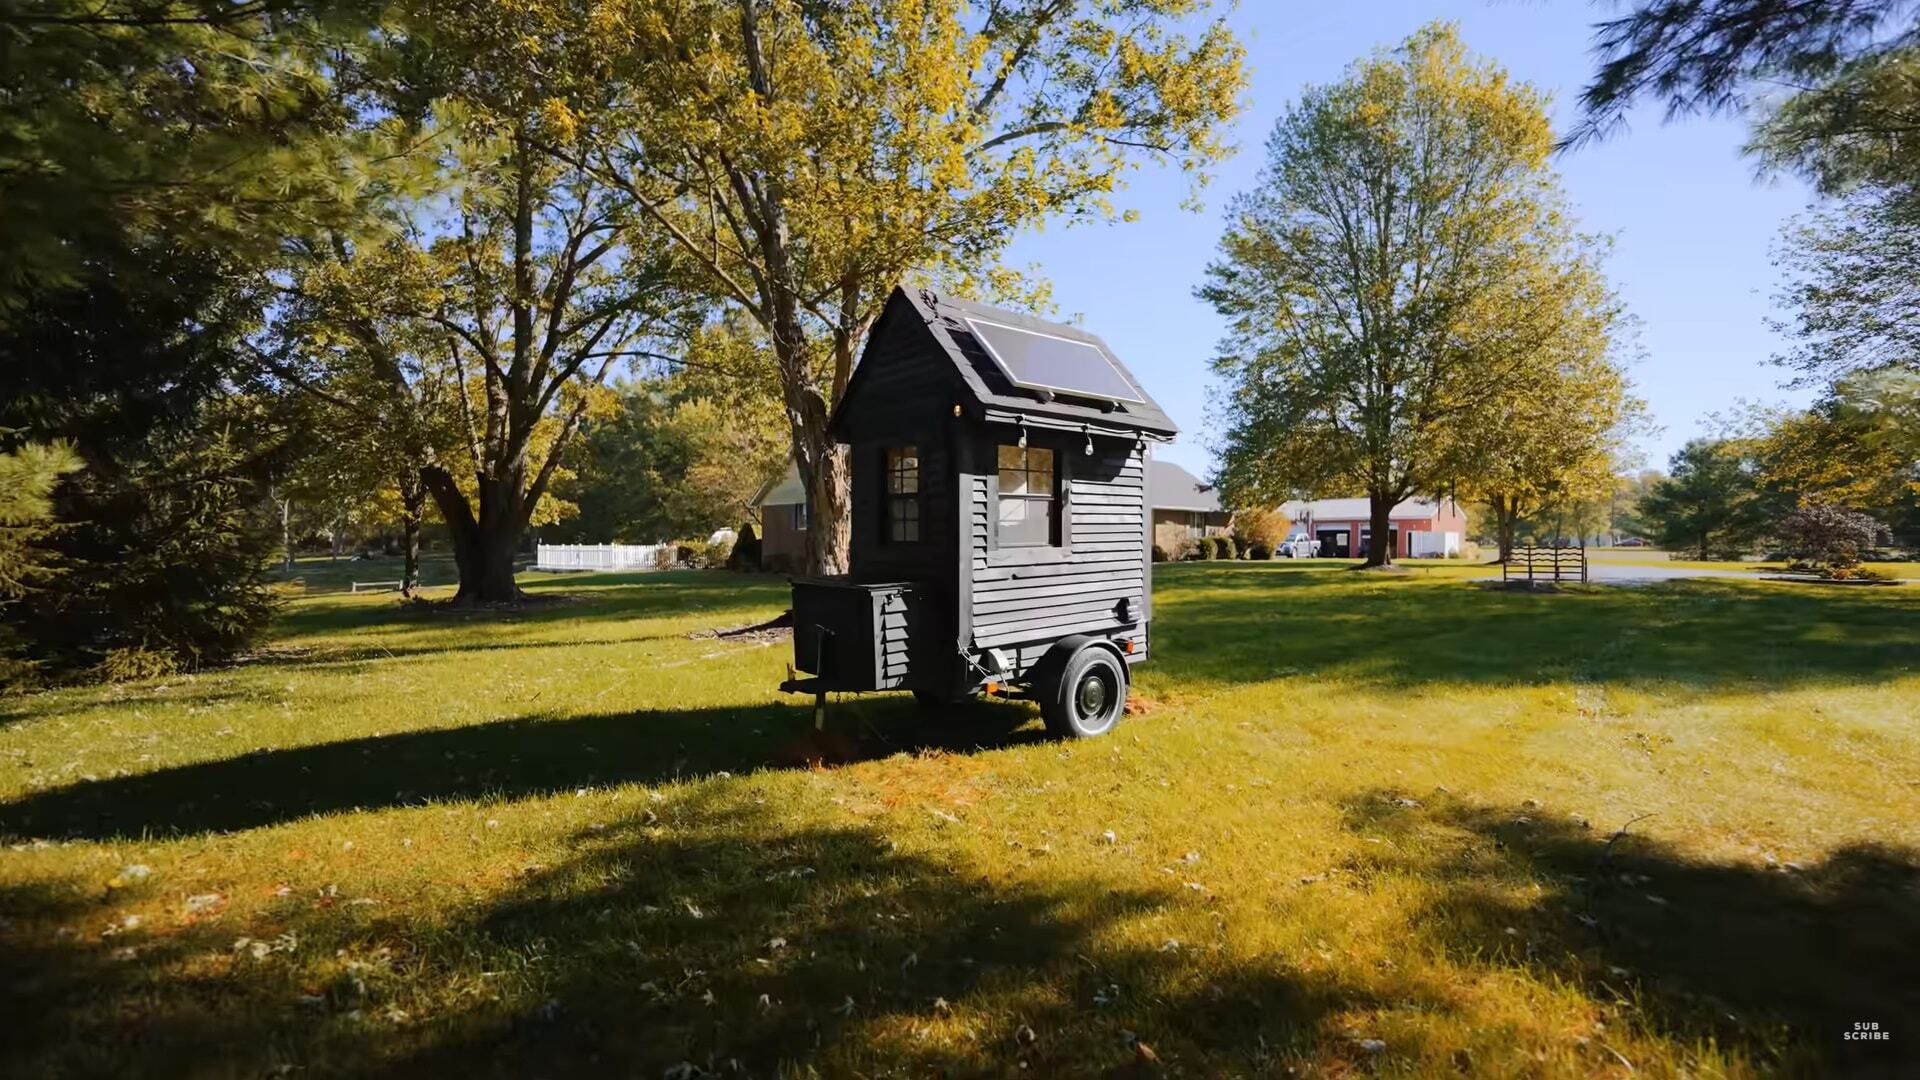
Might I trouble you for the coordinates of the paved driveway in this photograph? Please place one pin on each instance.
(1629, 574)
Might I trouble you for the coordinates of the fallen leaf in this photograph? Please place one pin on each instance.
(130, 875)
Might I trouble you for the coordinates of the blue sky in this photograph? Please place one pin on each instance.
(1692, 225)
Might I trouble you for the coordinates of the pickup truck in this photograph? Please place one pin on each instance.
(1298, 546)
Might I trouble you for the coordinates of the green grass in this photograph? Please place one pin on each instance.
(320, 574)
(1656, 557)
(575, 840)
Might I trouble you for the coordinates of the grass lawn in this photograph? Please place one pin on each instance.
(1365, 826)
(320, 574)
(1656, 557)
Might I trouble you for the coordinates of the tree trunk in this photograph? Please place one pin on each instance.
(1380, 545)
(822, 462)
(286, 530)
(413, 498)
(1506, 522)
(829, 485)
(483, 546)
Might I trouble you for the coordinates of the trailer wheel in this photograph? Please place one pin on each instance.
(1087, 697)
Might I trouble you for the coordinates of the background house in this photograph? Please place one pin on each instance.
(783, 521)
(1344, 527)
(1178, 498)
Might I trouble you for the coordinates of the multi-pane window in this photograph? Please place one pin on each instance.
(1029, 501)
(903, 495)
(799, 516)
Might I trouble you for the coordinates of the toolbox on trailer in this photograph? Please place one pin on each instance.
(1001, 533)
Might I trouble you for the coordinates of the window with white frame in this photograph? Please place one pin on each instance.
(1029, 510)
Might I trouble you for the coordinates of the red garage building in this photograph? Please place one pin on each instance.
(1344, 527)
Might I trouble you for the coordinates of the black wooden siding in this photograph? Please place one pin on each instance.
(905, 397)
(1023, 607)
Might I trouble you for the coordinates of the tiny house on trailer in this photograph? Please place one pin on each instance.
(1001, 534)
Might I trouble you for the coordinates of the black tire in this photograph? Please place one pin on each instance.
(1088, 697)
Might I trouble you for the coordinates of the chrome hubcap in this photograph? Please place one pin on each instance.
(1092, 696)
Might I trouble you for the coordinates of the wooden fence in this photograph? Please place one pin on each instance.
(1545, 564)
(565, 557)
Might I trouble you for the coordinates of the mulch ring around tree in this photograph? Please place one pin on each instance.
(1525, 585)
(527, 602)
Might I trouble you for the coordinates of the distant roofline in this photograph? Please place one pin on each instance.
(1169, 484)
(1414, 507)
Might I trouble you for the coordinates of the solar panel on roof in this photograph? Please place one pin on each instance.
(1041, 361)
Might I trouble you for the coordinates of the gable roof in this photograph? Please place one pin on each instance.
(1170, 487)
(984, 390)
(784, 490)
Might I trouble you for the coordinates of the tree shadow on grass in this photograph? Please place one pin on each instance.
(582, 598)
(506, 759)
(1254, 622)
(364, 658)
(704, 929)
(1777, 963)
(829, 946)
(185, 694)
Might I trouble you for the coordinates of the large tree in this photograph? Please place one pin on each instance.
(482, 349)
(1712, 503)
(1833, 81)
(1847, 303)
(204, 122)
(1402, 282)
(547, 286)
(1847, 300)
(159, 536)
(807, 157)
(377, 397)
(1553, 440)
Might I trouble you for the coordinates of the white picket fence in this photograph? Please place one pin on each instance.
(562, 557)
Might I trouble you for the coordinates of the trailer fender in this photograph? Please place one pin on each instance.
(1054, 662)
